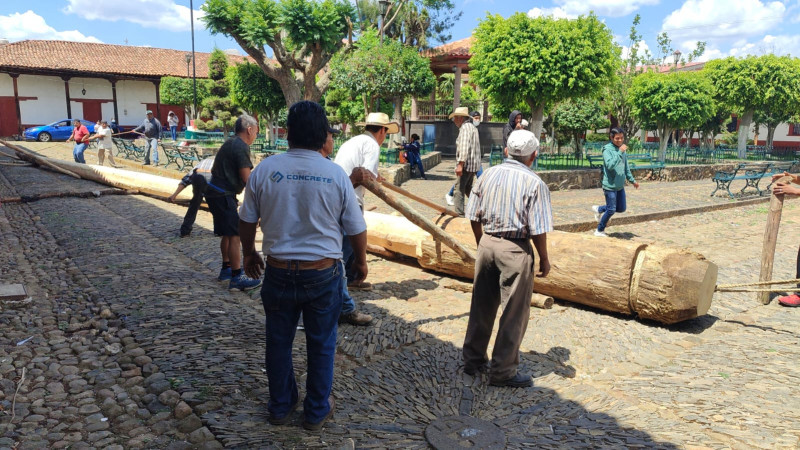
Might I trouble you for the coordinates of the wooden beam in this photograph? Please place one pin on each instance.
(771, 239)
(14, 77)
(428, 203)
(28, 155)
(66, 91)
(114, 95)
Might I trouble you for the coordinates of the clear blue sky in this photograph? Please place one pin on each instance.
(731, 27)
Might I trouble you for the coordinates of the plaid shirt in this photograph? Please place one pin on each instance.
(204, 168)
(468, 147)
(511, 201)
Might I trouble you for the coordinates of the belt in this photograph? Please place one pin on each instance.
(500, 236)
(319, 264)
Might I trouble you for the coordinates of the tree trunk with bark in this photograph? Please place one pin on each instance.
(537, 118)
(744, 132)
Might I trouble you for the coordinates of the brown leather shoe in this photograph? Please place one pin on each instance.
(355, 318)
(318, 426)
(360, 286)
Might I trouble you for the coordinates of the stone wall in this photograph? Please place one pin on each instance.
(591, 178)
(399, 173)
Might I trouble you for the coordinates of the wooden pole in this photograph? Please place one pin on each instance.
(771, 239)
(42, 161)
(541, 301)
(421, 221)
(425, 202)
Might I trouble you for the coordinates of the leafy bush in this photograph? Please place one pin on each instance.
(596, 137)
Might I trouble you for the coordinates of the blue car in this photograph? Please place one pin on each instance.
(56, 131)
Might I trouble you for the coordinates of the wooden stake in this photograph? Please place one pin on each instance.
(28, 155)
(425, 202)
(541, 301)
(421, 221)
(771, 239)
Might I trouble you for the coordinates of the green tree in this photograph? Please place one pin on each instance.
(542, 61)
(344, 107)
(389, 70)
(677, 100)
(255, 92)
(302, 34)
(769, 84)
(574, 117)
(219, 106)
(180, 91)
(415, 23)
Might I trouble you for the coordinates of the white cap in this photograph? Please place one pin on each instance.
(522, 143)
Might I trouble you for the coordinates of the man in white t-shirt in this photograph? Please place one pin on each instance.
(362, 151)
(104, 143)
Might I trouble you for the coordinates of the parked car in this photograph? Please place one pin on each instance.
(56, 131)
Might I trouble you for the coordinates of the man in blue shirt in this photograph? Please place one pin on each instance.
(303, 201)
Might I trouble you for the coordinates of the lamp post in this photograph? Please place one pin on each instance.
(384, 5)
(194, 61)
(676, 56)
(188, 60)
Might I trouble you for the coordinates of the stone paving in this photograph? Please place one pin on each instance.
(135, 345)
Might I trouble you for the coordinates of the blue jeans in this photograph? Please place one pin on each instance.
(477, 175)
(415, 159)
(151, 144)
(316, 294)
(174, 131)
(615, 202)
(349, 258)
(77, 152)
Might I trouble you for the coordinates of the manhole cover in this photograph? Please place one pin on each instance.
(456, 432)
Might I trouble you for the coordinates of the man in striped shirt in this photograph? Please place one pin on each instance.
(468, 155)
(198, 178)
(509, 207)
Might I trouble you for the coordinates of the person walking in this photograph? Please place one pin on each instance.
(172, 120)
(80, 134)
(104, 143)
(788, 189)
(509, 207)
(198, 178)
(303, 201)
(615, 172)
(468, 156)
(229, 175)
(151, 131)
(362, 151)
(413, 155)
(476, 120)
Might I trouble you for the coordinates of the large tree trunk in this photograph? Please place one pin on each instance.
(770, 135)
(398, 110)
(537, 118)
(651, 281)
(744, 132)
(663, 139)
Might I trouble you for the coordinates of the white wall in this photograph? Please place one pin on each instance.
(50, 104)
(97, 88)
(132, 97)
(6, 85)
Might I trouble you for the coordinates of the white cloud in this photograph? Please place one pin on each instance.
(29, 25)
(709, 20)
(641, 49)
(574, 8)
(161, 14)
(779, 45)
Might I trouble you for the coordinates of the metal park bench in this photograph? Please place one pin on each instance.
(496, 155)
(644, 161)
(595, 161)
(751, 173)
(781, 167)
(173, 156)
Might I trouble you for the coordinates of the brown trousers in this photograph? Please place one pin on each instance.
(462, 190)
(503, 277)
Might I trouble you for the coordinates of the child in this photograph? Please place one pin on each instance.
(412, 155)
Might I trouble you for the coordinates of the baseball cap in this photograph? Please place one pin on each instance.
(333, 130)
(522, 143)
(149, 112)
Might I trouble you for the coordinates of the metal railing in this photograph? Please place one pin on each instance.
(440, 109)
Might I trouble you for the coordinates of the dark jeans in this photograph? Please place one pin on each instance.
(463, 188)
(316, 294)
(415, 159)
(349, 258)
(198, 189)
(615, 202)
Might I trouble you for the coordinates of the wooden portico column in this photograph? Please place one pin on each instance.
(414, 108)
(66, 91)
(157, 84)
(14, 77)
(457, 88)
(114, 96)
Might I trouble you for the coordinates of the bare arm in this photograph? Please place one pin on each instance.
(253, 264)
(244, 174)
(540, 242)
(175, 194)
(359, 243)
(477, 231)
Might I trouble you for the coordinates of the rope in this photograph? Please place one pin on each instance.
(732, 287)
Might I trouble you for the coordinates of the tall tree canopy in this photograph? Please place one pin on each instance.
(768, 83)
(180, 91)
(218, 106)
(389, 70)
(303, 35)
(672, 101)
(542, 60)
(574, 117)
(254, 91)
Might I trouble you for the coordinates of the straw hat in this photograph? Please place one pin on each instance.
(461, 111)
(381, 120)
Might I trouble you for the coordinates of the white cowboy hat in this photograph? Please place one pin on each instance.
(461, 111)
(381, 120)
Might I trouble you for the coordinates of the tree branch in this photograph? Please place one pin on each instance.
(399, 7)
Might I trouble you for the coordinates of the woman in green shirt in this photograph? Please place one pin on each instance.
(615, 172)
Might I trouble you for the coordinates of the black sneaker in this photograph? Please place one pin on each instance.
(517, 381)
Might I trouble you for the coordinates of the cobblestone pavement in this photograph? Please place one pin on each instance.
(135, 345)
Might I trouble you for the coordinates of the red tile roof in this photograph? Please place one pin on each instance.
(460, 47)
(82, 57)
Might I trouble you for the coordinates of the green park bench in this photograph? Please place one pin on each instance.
(496, 155)
(595, 161)
(751, 173)
(173, 155)
(781, 167)
(645, 161)
(132, 151)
